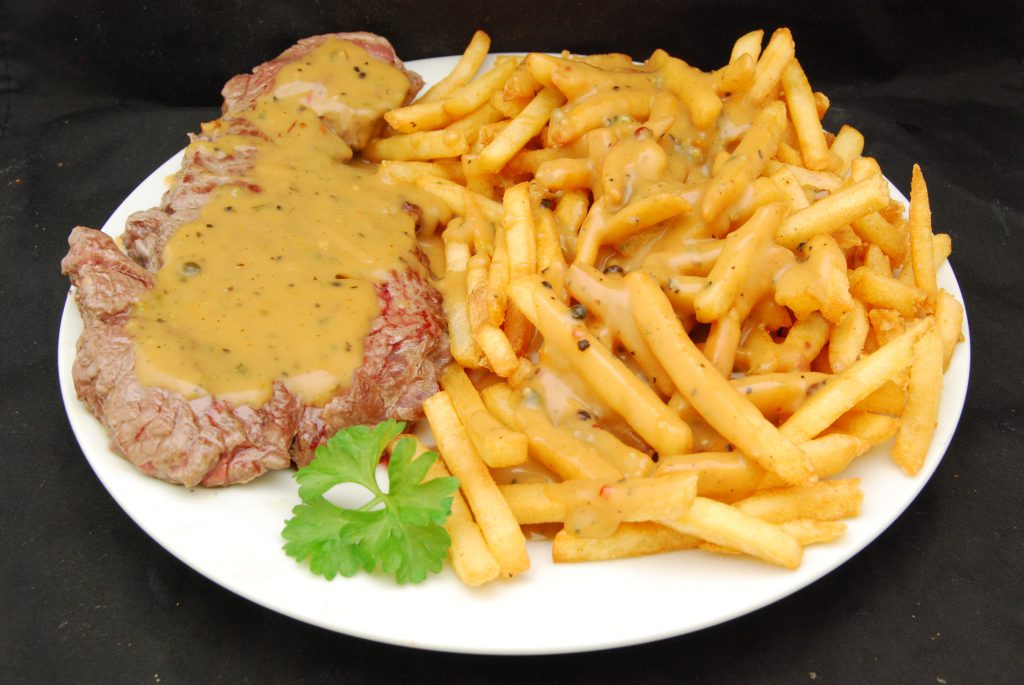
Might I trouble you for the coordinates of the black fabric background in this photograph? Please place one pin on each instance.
(94, 95)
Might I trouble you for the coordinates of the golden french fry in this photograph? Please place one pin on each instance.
(804, 114)
(809, 531)
(730, 413)
(921, 248)
(846, 389)
(471, 559)
(607, 298)
(591, 507)
(496, 346)
(721, 524)
(886, 292)
(605, 373)
(497, 445)
(455, 196)
(747, 161)
(591, 112)
(735, 77)
(723, 342)
(824, 501)
(846, 340)
(471, 124)
(872, 428)
(889, 398)
(724, 476)
(890, 238)
(819, 283)
(633, 218)
(922, 409)
(747, 44)
(549, 445)
(498, 525)
(761, 354)
(742, 247)
(847, 146)
(694, 90)
(422, 116)
(520, 235)
(469, 63)
(630, 461)
(833, 212)
(520, 130)
(456, 304)
(476, 93)
(417, 146)
(949, 319)
(776, 56)
(630, 540)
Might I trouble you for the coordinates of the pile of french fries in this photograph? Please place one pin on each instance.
(678, 307)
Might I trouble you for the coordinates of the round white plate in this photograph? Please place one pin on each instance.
(233, 536)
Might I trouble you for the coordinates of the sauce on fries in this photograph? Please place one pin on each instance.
(679, 306)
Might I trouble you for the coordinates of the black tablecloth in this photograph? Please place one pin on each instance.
(94, 95)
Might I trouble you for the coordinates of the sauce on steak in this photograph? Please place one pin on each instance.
(278, 293)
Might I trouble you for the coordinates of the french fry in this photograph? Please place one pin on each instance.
(422, 116)
(469, 63)
(556, 449)
(810, 531)
(607, 298)
(574, 501)
(824, 501)
(949, 319)
(456, 304)
(773, 61)
(872, 428)
(591, 113)
(847, 339)
(742, 246)
(721, 524)
(922, 409)
(851, 386)
(470, 557)
(834, 212)
(636, 216)
(747, 44)
(722, 407)
(694, 90)
(497, 445)
(804, 114)
(886, 292)
(724, 476)
(498, 525)
(520, 130)
(425, 145)
(617, 386)
(747, 161)
(630, 540)
(474, 94)
(921, 247)
(520, 235)
(847, 146)
(735, 77)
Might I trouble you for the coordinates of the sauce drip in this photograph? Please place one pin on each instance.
(276, 278)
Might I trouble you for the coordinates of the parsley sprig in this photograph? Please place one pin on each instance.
(401, 529)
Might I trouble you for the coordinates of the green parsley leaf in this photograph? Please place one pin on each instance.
(399, 530)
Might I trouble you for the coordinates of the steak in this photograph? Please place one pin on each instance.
(210, 442)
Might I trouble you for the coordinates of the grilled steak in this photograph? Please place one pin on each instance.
(208, 441)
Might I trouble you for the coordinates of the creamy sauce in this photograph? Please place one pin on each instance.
(276, 278)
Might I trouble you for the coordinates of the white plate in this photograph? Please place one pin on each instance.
(232, 536)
